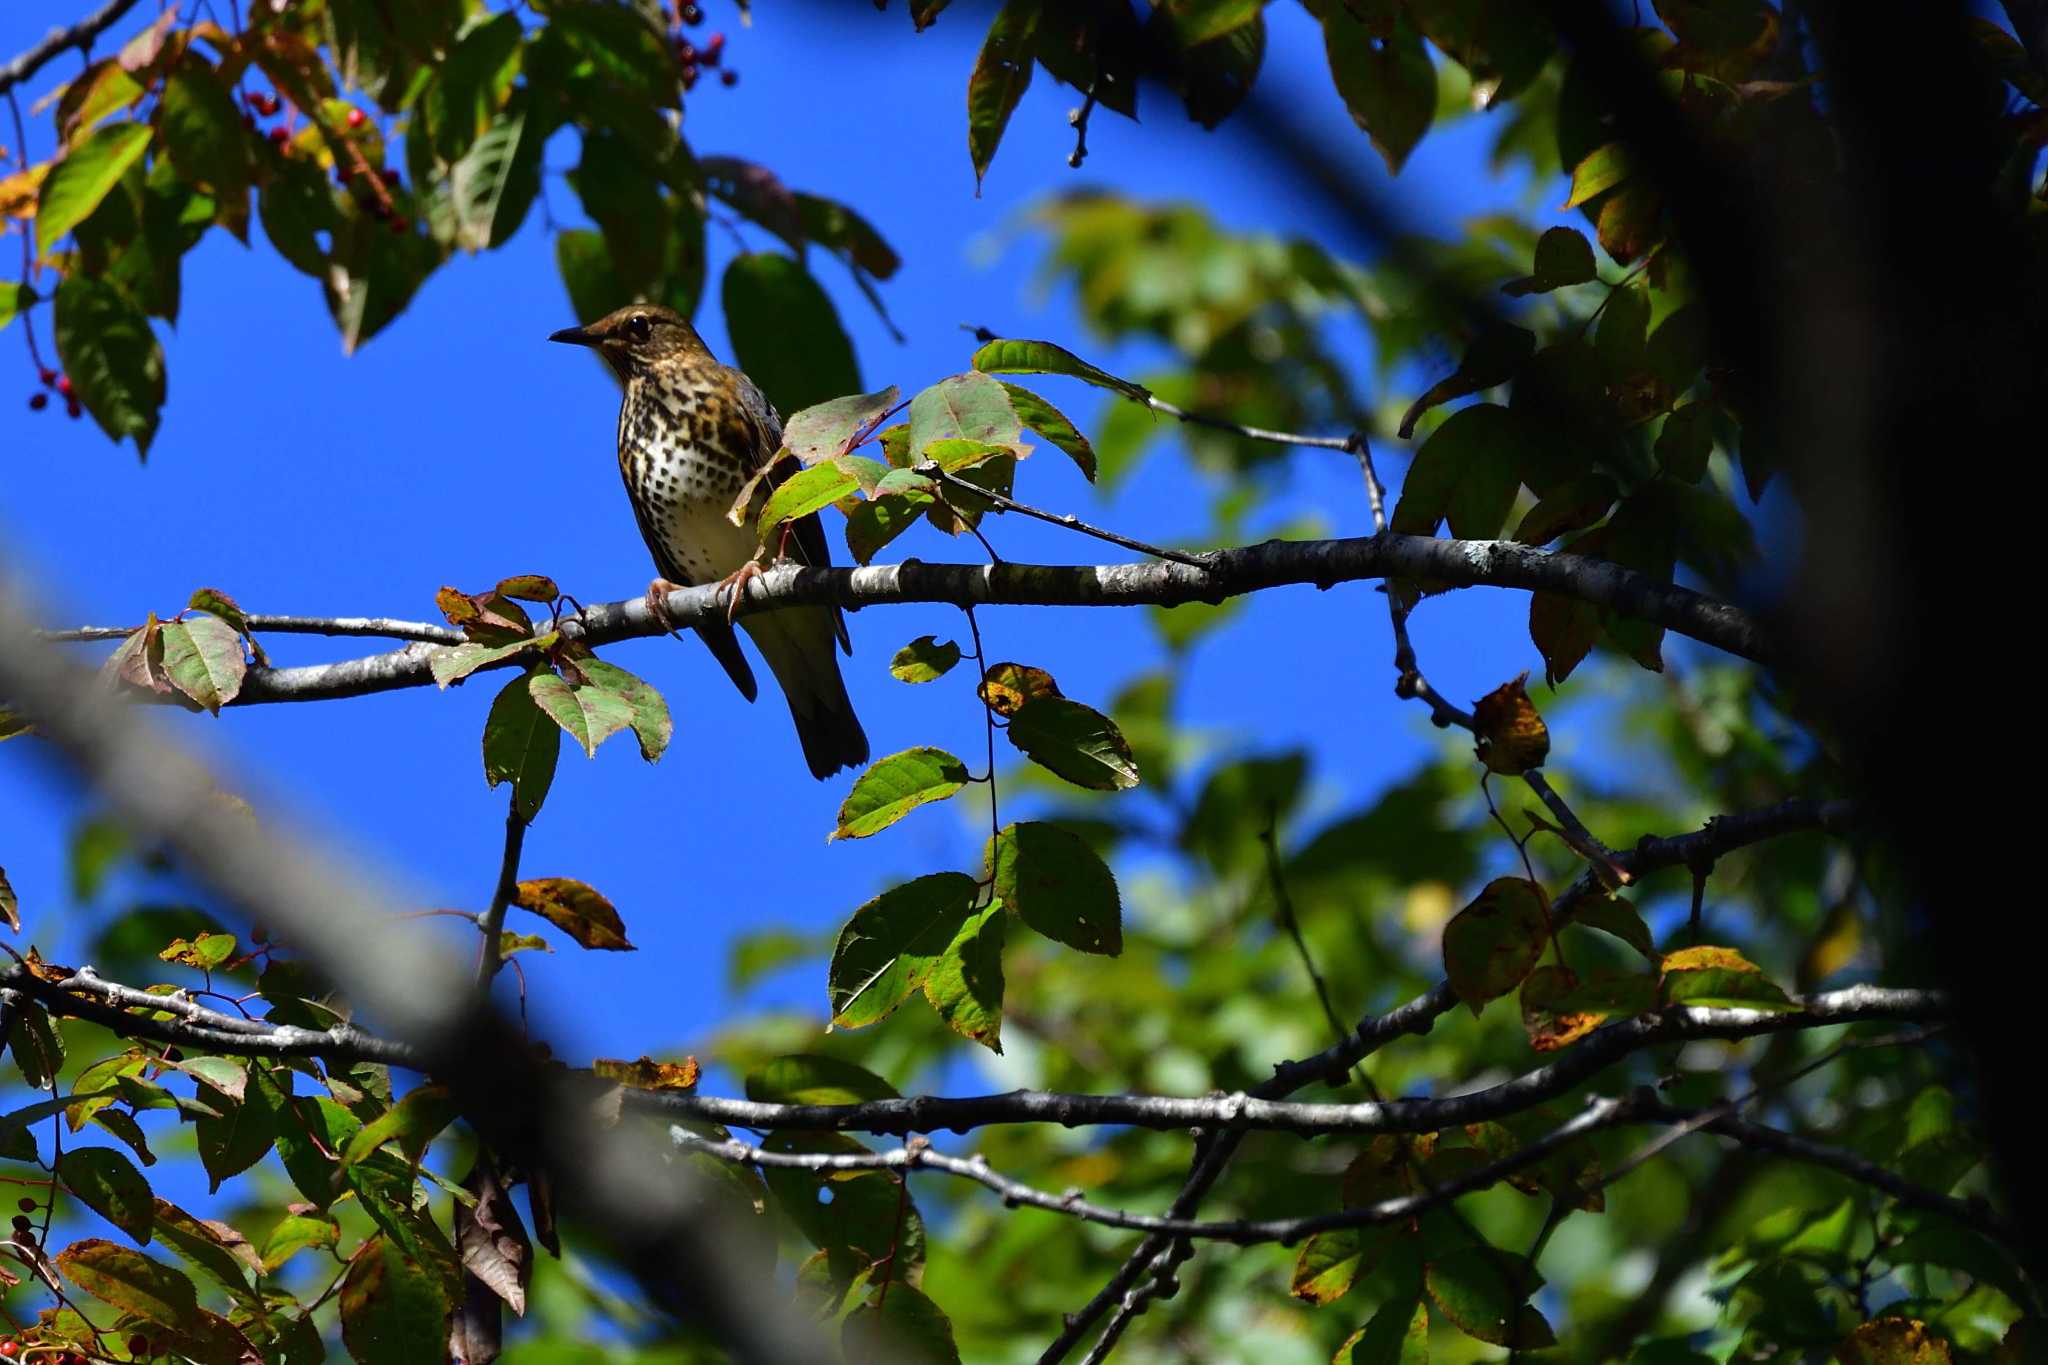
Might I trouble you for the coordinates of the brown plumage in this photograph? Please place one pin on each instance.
(691, 432)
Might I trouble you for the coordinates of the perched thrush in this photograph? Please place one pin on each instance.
(691, 433)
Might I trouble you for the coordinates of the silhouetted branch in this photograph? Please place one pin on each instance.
(79, 35)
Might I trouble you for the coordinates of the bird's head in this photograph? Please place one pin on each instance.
(639, 338)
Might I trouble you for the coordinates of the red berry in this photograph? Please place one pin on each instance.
(249, 121)
(64, 384)
(264, 104)
(728, 78)
(686, 52)
(355, 118)
(689, 75)
(48, 377)
(38, 401)
(71, 408)
(692, 14)
(10, 1348)
(280, 135)
(713, 49)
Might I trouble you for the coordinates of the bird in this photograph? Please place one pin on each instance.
(692, 432)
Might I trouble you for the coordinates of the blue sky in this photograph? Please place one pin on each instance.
(458, 447)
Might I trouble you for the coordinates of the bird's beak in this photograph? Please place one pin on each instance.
(574, 336)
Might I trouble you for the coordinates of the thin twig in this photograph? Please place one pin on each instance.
(79, 35)
(501, 898)
(931, 470)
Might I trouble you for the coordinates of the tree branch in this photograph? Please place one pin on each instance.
(382, 627)
(1220, 574)
(80, 35)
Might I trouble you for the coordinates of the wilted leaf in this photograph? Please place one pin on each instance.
(1893, 1341)
(576, 909)
(1512, 737)
(1491, 944)
(648, 1074)
(1552, 1023)
(205, 952)
(1059, 886)
(1005, 687)
(892, 787)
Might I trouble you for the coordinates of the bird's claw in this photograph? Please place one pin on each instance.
(657, 603)
(737, 582)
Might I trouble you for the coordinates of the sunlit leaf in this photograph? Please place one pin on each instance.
(576, 909)
(892, 787)
(75, 186)
(892, 943)
(1075, 742)
(966, 984)
(1002, 71)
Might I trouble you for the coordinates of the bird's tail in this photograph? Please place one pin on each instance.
(798, 643)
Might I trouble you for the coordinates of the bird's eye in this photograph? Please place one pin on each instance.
(637, 326)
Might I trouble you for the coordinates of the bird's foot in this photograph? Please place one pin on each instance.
(657, 603)
(737, 582)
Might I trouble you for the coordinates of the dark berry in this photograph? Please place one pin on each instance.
(264, 104)
(713, 49)
(64, 384)
(692, 14)
(375, 208)
(137, 1344)
(401, 225)
(27, 1206)
(689, 76)
(48, 377)
(390, 174)
(686, 52)
(38, 401)
(342, 175)
(21, 1222)
(249, 121)
(355, 118)
(728, 78)
(280, 135)
(71, 408)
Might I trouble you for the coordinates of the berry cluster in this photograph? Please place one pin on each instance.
(59, 384)
(696, 58)
(375, 200)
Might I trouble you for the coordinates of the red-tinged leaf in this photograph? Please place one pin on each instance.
(131, 1282)
(394, 1310)
(1512, 737)
(1329, 1263)
(529, 587)
(1485, 1292)
(577, 910)
(1491, 944)
(966, 984)
(588, 715)
(892, 943)
(1075, 742)
(1571, 506)
(968, 407)
(1002, 71)
(10, 904)
(215, 1249)
(413, 1123)
(828, 430)
(1631, 222)
(1058, 885)
(1551, 1024)
(1008, 356)
(892, 787)
(522, 744)
(108, 1183)
(1006, 687)
(297, 1232)
(648, 1074)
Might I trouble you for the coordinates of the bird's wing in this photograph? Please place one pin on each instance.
(807, 542)
(716, 632)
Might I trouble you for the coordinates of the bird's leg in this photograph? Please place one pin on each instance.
(657, 603)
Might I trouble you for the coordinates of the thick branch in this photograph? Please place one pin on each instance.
(1221, 574)
(79, 35)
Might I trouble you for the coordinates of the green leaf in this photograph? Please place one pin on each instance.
(804, 492)
(296, 207)
(394, 1310)
(1465, 473)
(1076, 742)
(213, 1248)
(1616, 916)
(1212, 76)
(825, 431)
(590, 715)
(586, 269)
(1686, 441)
(203, 656)
(785, 332)
(473, 83)
(108, 1183)
(1491, 944)
(808, 1079)
(1049, 422)
(966, 984)
(1329, 1263)
(202, 130)
(1563, 257)
(1059, 886)
(1389, 84)
(245, 1130)
(205, 952)
(1485, 1291)
(906, 1328)
(839, 229)
(495, 182)
(1598, 172)
(76, 185)
(622, 195)
(1003, 356)
(1571, 506)
(1725, 988)
(965, 407)
(872, 525)
(452, 663)
(112, 357)
(1397, 1335)
(893, 787)
(1002, 72)
(924, 659)
(131, 1282)
(320, 1127)
(652, 724)
(413, 1123)
(13, 298)
(521, 745)
(892, 943)
(577, 910)
(1498, 354)
(294, 1233)
(38, 1048)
